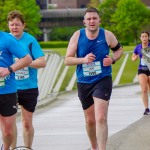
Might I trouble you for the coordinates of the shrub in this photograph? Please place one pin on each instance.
(54, 44)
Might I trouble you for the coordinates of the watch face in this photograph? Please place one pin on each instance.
(10, 69)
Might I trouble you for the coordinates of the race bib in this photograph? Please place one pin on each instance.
(22, 74)
(143, 63)
(92, 69)
(2, 81)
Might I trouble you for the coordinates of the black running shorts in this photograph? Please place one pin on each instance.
(8, 104)
(101, 89)
(28, 98)
(146, 72)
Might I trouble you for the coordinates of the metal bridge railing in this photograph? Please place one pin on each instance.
(51, 77)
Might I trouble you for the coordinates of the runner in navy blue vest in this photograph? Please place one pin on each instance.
(89, 49)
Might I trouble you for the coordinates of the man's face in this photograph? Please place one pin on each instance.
(91, 21)
(16, 27)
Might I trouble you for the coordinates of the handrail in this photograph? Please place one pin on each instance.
(53, 75)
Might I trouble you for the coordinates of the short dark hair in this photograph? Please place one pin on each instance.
(91, 9)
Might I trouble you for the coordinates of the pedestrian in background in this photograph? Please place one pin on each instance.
(143, 71)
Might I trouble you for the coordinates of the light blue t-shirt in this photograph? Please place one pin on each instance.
(27, 77)
(9, 47)
(92, 72)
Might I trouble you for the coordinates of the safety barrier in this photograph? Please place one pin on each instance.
(53, 75)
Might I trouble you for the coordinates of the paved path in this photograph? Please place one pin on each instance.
(61, 126)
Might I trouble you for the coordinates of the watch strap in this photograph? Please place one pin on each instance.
(10, 69)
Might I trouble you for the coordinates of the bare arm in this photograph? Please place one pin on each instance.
(112, 42)
(71, 58)
(38, 63)
(21, 63)
(134, 57)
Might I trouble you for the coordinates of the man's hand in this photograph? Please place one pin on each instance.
(4, 72)
(89, 58)
(107, 61)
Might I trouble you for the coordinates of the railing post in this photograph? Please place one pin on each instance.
(117, 79)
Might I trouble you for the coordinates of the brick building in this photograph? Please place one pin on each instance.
(60, 4)
(65, 10)
(147, 2)
(70, 3)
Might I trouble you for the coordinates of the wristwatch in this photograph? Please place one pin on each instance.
(10, 69)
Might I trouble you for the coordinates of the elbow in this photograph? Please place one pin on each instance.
(66, 62)
(28, 60)
(44, 64)
(122, 51)
(41, 62)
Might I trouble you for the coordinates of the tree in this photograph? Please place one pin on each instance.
(106, 9)
(93, 3)
(28, 8)
(130, 18)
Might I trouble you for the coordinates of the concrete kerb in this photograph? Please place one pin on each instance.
(135, 137)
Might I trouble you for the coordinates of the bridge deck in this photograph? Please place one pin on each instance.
(60, 125)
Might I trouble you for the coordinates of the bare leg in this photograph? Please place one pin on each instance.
(28, 130)
(101, 111)
(91, 126)
(14, 143)
(143, 80)
(7, 126)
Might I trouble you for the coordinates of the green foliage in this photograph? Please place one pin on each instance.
(125, 18)
(129, 72)
(107, 8)
(54, 44)
(62, 33)
(28, 8)
(130, 18)
(61, 51)
(93, 3)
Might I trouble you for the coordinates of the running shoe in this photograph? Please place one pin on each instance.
(146, 112)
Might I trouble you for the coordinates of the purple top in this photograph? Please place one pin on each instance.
(137, 51)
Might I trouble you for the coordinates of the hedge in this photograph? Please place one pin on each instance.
(54, 44)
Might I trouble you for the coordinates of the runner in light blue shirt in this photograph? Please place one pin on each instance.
(27, 82)
(8, 98)
(27, 77)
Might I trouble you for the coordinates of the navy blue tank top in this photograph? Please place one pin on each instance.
(92, 72)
